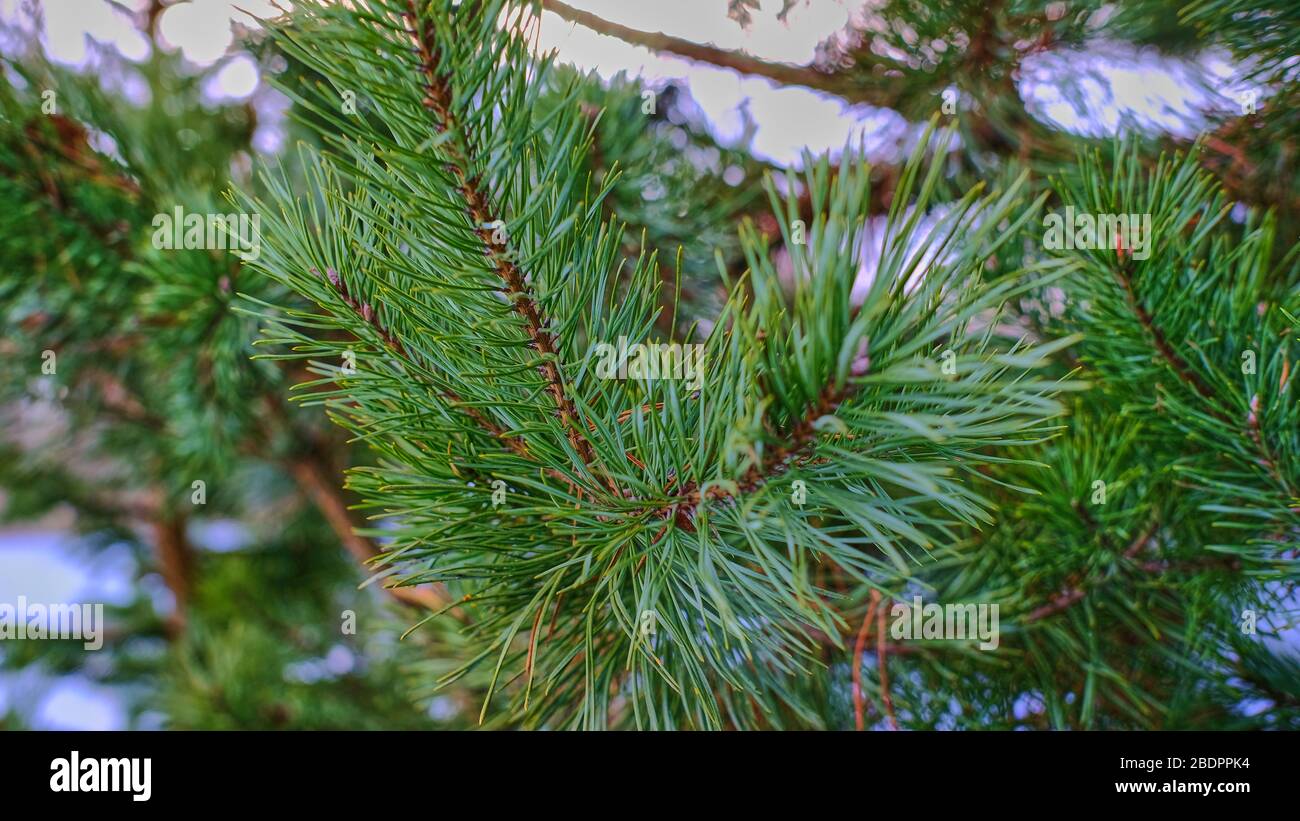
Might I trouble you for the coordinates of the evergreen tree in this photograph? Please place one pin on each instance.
(692, 458)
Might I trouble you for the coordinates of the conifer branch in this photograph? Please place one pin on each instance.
(438, 100)
(366, 313)
(311, 472)
(1189, 376)
(794, 444)
(1076, 592)
(391, 239)
(1166, 351)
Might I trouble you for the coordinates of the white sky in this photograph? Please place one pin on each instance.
(1159, 92)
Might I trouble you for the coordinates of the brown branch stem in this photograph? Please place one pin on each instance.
(1075, 592)
(785, 73)
(367, 314)
(438, 100)
(312, 474)
(176, 564)
(795, 443)
(858, 647)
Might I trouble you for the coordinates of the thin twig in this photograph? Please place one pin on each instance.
(1076, 591)
(882, 662)
(883, 94)
(858, 648)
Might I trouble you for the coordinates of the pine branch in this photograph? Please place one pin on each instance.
(368, 315)
(1157, 335)
(1075, 592)
(1190, 377)
(438, 99)
(414, 203)
(1195, 262)
(793, 444)
(312, 471)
